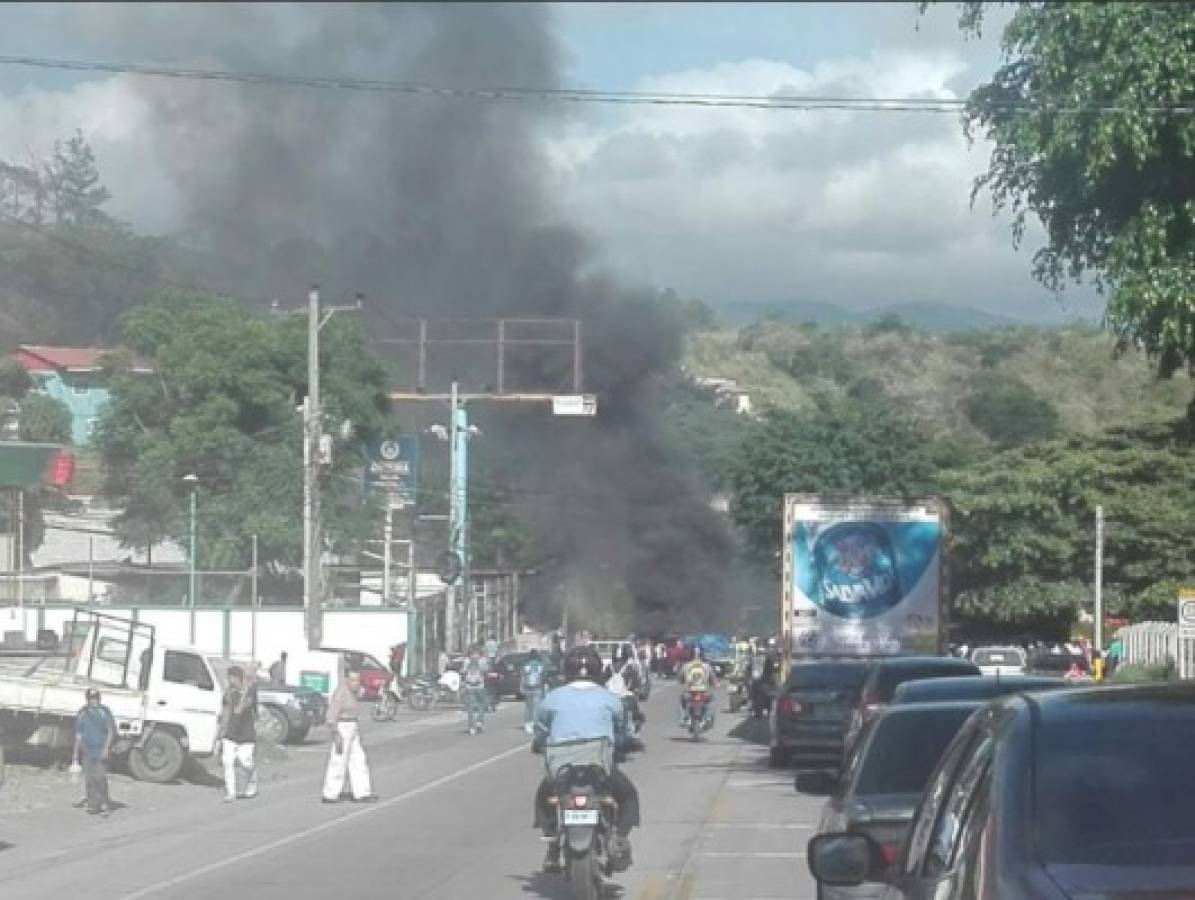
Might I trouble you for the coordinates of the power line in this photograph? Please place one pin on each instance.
(775, 102)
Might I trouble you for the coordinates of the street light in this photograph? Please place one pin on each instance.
(192, 480)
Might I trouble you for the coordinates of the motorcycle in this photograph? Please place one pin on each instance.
(697, 714)
(585, 819)
(385, 708)
(628, 739)
(736, 692)
(428, 690)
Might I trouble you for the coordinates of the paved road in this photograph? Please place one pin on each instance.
(453, 822)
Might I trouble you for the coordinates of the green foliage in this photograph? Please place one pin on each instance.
(1139, 674)
(846, 448)
(45, 420)
(222, 404)
(709, 435)
(1024, 524)
(1008, 411)
(1080, 113)
(15, 380)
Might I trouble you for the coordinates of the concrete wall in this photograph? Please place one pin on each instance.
(236, 631)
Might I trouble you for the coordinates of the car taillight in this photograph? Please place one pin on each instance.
(890, 853)
(789, 706)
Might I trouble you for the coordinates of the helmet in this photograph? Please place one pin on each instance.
(582, 663)
(92, 694)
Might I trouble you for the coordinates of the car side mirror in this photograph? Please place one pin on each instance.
(817, 784)
(845, 860)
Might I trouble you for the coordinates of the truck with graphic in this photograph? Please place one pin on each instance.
(863, 576)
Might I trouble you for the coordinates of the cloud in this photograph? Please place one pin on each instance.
(858, 208)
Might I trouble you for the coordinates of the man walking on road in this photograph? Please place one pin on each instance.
(532, 689)
(94, 730)
(476, 698)
(238, 730)
(347, 756)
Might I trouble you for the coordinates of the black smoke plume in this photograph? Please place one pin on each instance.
(436, 207)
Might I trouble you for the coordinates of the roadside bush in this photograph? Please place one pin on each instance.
(1139, 674)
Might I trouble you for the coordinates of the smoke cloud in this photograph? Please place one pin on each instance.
(441, 208)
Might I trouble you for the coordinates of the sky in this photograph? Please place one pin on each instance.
(731, 206)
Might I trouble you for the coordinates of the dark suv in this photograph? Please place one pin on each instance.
(884, 675)
(809, 717)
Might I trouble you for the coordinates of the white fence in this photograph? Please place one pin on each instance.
(1157, 643)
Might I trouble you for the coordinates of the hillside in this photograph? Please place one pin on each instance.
(950, 383)
(937, 318)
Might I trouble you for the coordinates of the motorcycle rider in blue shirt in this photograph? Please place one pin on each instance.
(576, 724)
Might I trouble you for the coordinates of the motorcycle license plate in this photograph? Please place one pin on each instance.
(580, 817)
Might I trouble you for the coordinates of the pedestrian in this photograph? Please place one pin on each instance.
(532, 689)
(473, 682)
(278, 670)
(491, 661)
(238, 734)
(347, 756)
(94, 730)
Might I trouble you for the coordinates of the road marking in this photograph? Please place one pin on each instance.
(322, 827)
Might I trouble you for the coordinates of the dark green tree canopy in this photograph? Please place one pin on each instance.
(222, 405)
(1090, 115)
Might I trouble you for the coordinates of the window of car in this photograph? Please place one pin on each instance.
(1116, 791)
(888, 677)
(944, 841)
(186, 668)
(936, 792)
(822, 676)
(904, 748)
(1009, 657)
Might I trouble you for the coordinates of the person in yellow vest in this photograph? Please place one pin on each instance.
(1097, 666)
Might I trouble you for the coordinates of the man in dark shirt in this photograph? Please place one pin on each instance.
(238, 729)
(278, 670)
(94, 730)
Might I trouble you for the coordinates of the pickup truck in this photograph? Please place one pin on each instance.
(165, 700)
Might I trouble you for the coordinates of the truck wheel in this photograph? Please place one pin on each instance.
(159, 759)
(298, 735)
(273, 726)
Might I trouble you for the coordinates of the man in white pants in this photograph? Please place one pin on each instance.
(238, 732)
(347, 756)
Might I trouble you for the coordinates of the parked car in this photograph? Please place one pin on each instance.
(885, 775)
(809, 717)
(883, 677)
(282, 716)
(1000, 660)
(1072, 666)
(968, 687)
(505, 678)
(375, 675)
(1068, 795)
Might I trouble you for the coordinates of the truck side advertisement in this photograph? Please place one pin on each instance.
(863, 576)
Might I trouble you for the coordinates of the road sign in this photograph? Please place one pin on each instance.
(393, 467)
(1186, 612)
(574, 405)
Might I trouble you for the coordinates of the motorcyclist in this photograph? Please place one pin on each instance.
(622, 683)
(696, 676)
(576, 724)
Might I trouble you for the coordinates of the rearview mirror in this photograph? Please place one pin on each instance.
(817, 784)
(844, 860)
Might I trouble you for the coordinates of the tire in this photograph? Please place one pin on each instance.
(273, 727)
(421, 700)
(159, 759)
(298, 735)
(385, 708)
(778, 758)
(583, 877)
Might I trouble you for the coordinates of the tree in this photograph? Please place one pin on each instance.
(1024, 524)
(1009, 411)
(45, 420)
(1089, 114)
(222, 404)
(73, 185)
(852, 447)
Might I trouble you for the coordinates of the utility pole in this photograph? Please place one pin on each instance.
(313, 433)
(253, 602)
(193, 480)
(1099, 578)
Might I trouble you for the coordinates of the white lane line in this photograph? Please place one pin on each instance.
(322, 827)
(764, 826)
(752, 854)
